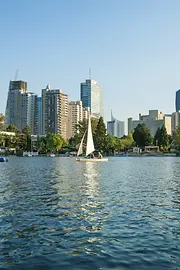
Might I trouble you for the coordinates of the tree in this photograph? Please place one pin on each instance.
(127, 141)
(161, 137)
(50, 143)
(142, 135)
(156, 139)
(119, 145)
(81, 127)
(58, 141)
(27, 139)
(110, 144)
(12, 128)
(100, 135)
(170, 139)
(1, 140)
(176, 137)
(2, 118)
(74, 141)
(2, 125)
(41, 144)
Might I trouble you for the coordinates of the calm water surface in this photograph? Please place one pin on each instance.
(59, 214)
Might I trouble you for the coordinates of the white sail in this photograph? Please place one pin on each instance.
(90, 143)
(80, 150)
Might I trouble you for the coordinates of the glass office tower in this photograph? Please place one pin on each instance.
(92, 96)
(178, 100)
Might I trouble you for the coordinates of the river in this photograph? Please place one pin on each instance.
(56, 213)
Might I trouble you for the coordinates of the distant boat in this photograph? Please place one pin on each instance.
(89, 147)
(52, 155)
(3, 159)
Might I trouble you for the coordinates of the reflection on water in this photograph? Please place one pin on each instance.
(57, 213)
(92, 178)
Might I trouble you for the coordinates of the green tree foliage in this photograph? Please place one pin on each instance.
(157, 136)
(2, 125)
(110, 144)
(81, 127)
(2, 118)
(119, 145)
(41, 145)
(142, 135)
(74, 141)
(100, 135)
(170, 139)
(27, 139)
(161, 137)
(12, 128)
(176, 137)
(127, 141)
(50, 143)
(58, 141)
(1, 140)
(21, 142)
(7, 140)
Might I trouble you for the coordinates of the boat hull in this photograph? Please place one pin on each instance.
(91, 159)
(3, 159)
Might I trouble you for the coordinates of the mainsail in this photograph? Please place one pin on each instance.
(90, 143)
(80, 150)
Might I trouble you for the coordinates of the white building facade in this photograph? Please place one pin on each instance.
(75, 114)
(153, 121)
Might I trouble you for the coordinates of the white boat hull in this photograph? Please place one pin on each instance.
(91, 159)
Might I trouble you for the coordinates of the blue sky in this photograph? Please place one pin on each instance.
(131, 46)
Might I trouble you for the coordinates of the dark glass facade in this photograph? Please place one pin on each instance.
(92, 96)
(177, 100)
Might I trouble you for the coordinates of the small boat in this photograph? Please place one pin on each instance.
(89, 147)
(3, 159)
(52, 155)
(85, 159)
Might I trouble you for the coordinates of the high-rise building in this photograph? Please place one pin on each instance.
(92, 96)
(28, 111)
(153, 121)
(38, 116)
(177, 102)
(75, 114)
(20, 108)
(13, 108)
(175, 120)
(115, 127)
(54, 112)
(86, 113)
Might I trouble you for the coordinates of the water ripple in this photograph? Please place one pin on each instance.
(59, 214)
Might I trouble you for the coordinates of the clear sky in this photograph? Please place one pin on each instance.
(131, 46)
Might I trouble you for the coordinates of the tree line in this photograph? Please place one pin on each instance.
(103, 142)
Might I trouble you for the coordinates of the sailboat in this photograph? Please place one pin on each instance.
(89, 147)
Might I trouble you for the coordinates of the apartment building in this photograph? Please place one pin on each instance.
(54, 111)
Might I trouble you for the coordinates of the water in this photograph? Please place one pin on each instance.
(59, 214)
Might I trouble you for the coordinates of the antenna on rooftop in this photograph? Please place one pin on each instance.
(90, 73)
(16, 74)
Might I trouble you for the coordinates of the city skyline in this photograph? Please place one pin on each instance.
(53, 112)
(131, 48)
